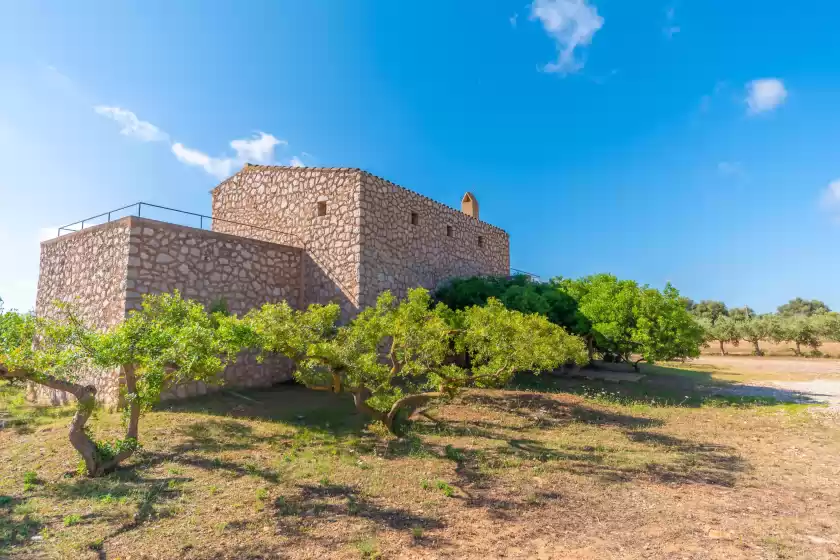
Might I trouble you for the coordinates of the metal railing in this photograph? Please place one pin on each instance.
(517, 272)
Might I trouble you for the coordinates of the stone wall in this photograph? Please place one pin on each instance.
(365, 242)
(409, 240)
(289, 201)
(108, 268)
(208, 266)
(88, 269)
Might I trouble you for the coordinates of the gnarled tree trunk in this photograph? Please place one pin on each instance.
(85, 403)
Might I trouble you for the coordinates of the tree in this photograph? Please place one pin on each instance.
(723, 331)
(742, 313)
(519, 293)
(756, 328)
(626, 319)
(710, 310)
(803, 307)
(799, 330)
(827, 325)
(168, 341)
(397, 355)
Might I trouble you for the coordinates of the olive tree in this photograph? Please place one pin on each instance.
(168, 341)
(724, 330)
(397, 355)
(757, 328)
(799, 330)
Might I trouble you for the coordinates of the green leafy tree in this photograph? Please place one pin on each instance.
(664, 330)
(519, 293)
(723, 331)
(800, 330)
(397, 355)
(742, 313)
(627, 320)
(710, 309)
(756, 328)
(827, 325)
(803, 307)
(169, 341)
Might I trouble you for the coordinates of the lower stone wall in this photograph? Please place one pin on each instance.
(107, 269)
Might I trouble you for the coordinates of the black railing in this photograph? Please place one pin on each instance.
(517, 272)
(120, 213)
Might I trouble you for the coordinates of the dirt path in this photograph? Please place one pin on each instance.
(788, 379)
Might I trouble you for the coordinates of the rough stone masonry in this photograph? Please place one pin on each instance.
(304, 235)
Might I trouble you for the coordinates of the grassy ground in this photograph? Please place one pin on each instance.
(556, 468)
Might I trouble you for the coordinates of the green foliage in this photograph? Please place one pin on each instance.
(710, 310)
(168, 341)
(742, 313)
(518, 293)
(756, 328)
(424, 346)
(627, 319)
(803, 307)
(72, 519)
(723, 331)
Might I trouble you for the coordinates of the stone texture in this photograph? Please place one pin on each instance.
(303, 235)
(107, 269)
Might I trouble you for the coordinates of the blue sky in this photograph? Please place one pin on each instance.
(684, 141)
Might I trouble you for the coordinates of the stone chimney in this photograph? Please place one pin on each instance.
(469, 205)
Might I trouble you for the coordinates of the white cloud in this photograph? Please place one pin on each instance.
(259, 149)
(296, 162)
(730, 168)
(131, 125)
(765, 95)
(513, 20)
(572, 24)
(831, 195)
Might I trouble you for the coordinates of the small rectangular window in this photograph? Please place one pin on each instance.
(448, 231)
(414, 219)
(480, 241)
(322, 209)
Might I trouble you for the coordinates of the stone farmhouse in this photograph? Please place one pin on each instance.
(304, 235)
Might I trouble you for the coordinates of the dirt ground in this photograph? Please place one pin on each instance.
(557, 468)
(787, 379)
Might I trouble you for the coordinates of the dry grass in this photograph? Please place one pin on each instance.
(574, 470)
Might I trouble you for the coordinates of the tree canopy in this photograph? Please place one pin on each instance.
(430, 351)
(803, 307)
(168, 341)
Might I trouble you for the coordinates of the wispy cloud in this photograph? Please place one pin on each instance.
(296, 162)
(572, 24)
(513, 20)
(765, 95)
(258, 149)
(131, 125)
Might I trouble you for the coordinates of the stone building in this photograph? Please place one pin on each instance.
(304, 235)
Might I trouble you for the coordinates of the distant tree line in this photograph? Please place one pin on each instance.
(802, 323)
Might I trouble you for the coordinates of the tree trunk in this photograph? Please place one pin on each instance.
(798, 348)
(133, 427)
(756, 348)
(85, 403)
(590, 347)
(360, 397)
(722, 351)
